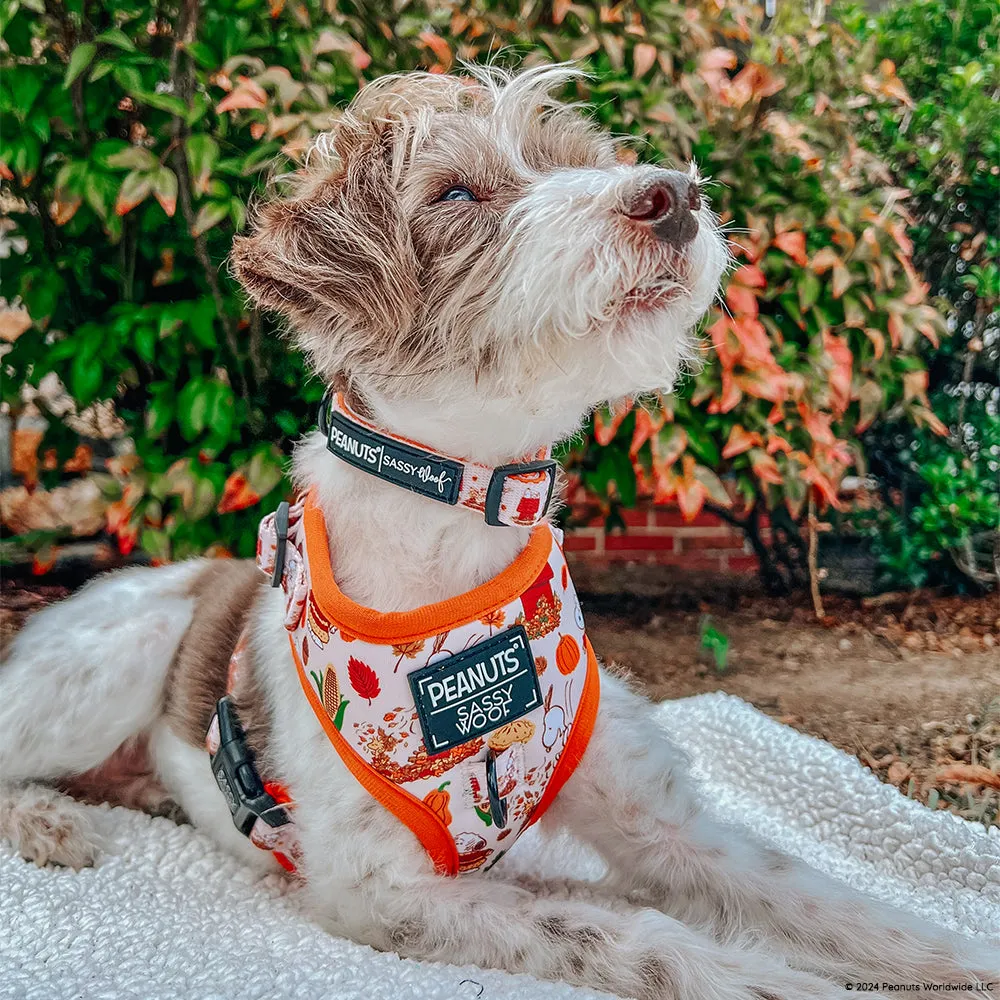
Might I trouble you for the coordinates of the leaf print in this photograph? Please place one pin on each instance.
(494, 619)
(541, 664)
(408, 649)
(305, 650)
(363, 679)
(318, 681)
(439, 641)
(338, 719)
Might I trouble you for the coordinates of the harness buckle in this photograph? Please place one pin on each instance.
(237, 776)
(494, 492)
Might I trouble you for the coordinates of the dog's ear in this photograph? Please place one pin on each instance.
(336, 258)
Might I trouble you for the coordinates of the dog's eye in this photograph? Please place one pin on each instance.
(458, 193)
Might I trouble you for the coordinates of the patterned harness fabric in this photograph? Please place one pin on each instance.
(503, 679)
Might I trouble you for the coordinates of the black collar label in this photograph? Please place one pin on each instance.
(411, 468)
(476, 691)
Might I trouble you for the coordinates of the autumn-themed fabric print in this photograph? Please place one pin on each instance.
(361, 685)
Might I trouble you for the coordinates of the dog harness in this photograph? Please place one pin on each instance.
(462, 718)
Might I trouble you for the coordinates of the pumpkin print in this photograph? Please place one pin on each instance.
(567, 654)
(437, 801)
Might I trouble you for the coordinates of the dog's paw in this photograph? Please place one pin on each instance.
(47, 827)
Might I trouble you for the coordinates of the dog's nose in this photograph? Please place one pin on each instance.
(667, 203)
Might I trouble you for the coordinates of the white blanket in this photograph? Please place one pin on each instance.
(170, 917)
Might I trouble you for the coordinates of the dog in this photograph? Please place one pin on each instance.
(470, 269)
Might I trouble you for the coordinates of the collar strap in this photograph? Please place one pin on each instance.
(515, 494)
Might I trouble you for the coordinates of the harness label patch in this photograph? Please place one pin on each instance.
(476, 691)
(411, 468)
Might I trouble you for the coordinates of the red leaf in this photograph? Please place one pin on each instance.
(751, 276)
(764, 466)
(607, 422)
(249, 94)
(363, 679)
(793, 244)
(840, 378)
(646, 425)
(237, 494)
(740, 440)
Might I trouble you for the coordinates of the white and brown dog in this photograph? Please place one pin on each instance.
(471, 270)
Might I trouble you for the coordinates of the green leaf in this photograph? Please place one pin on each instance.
(809, 288)
(163, 102)
(192, 406)
(210, 214)
(713, 485)
(159, 414)
(145, 343)
(164, 185)
(133, 191)
(80, 59)
(101, 69)
(116, 37)
(86, 375)
(132, 158)
(202, 154)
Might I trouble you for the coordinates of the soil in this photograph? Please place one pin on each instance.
(908, 683)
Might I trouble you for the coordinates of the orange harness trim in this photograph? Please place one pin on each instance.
(407, 808)
(464, 718)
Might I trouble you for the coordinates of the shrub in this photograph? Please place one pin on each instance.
(141, 136)
(941, 495)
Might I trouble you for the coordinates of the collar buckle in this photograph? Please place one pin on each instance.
(494, 492)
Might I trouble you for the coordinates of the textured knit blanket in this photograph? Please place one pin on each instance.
(168, 916)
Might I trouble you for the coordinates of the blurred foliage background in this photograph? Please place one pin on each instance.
(855, 163)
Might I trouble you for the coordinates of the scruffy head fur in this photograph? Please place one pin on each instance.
(544, 289)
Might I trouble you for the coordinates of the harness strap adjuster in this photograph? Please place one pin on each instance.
(281, 518)
(498, 806)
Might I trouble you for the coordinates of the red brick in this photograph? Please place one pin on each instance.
(579, 543)
(629, 555)
(671, 517)
(636, 518)
(637, 541)
(743, 564)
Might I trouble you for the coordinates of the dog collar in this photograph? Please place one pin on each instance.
(515, 494)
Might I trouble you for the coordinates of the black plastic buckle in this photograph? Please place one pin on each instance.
(494, 492)
(498, 806)
(281, 530)
(237, 777)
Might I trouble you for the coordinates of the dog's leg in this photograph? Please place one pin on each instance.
(82, 678)
(631, 799)
(369, 881)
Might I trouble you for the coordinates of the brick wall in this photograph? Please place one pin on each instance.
(661, 536)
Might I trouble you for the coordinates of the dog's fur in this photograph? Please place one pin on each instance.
(487, 330)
